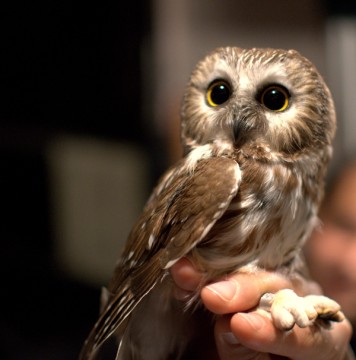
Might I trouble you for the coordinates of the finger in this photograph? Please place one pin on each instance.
(241, 292)
(228, 346)
(185, 276)
(314, 342)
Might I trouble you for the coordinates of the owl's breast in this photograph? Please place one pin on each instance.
(266, 223)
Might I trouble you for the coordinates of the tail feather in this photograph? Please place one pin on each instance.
(113, 318)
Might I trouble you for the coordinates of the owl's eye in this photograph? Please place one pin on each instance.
(275, 98)
(219, 92)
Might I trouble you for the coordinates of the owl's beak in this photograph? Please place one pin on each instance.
(242, 131)
(246, 127)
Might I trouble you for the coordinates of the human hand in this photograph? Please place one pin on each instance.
(242, 333)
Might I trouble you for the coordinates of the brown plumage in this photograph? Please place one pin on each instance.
(257, 127)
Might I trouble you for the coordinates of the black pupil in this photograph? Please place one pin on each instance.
(274, 99)
(219, 94)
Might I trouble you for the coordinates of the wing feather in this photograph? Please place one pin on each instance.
(183, 208)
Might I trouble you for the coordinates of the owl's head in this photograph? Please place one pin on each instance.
(265, 97)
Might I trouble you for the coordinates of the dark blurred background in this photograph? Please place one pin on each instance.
(88, 119)
(67, 67)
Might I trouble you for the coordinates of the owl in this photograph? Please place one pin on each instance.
(256, 128)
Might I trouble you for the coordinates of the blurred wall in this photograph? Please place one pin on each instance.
(98, 189)
(341, 60)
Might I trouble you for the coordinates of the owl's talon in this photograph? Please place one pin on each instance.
(326, 308)
(288, 309)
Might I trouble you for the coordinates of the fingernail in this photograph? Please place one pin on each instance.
(226, 290)
(255, 321)
(230, 338)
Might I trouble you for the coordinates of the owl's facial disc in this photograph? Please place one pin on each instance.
(257, 111)
(257, 96)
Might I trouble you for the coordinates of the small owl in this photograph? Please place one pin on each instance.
(257, 127)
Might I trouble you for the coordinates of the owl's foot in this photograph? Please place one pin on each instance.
(288, 309)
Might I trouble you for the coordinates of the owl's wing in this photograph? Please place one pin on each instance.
(183, 208)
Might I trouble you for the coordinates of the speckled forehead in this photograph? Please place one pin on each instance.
(246, 69)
